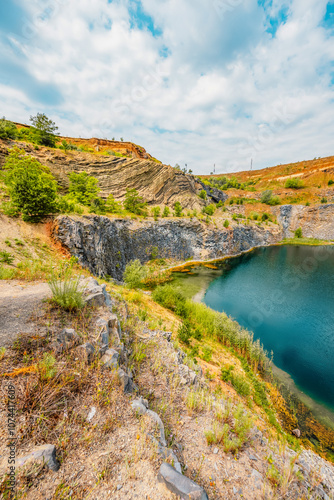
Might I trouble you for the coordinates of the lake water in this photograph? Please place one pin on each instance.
(285, 295)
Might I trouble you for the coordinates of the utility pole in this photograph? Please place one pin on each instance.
(252, 164)
(214, 168)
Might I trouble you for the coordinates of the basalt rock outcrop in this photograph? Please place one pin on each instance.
(315, 222)
(105, 246)
(158, 184)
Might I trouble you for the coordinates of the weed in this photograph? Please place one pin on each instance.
(46, 367)
(2, 353)
(197, 400)
(6, 257)
(65, 290)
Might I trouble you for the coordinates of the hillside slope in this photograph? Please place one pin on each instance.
(157, 183)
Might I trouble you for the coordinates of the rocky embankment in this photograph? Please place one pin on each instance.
(316, 222)
(158, 184)
(105, 246)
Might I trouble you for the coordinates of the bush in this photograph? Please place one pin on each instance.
(299, 233)
(294, 184)
(112, 206)
(209, 210)
(265, 217)
(6, 257)
(178, 209)
(184, 333)
(170, 297)
(46, 367)
(207, 353)
(44, 130)
(330, 182)
(65, 289)
(134, 274)
(226, 223)
(8, 129)
(135, 203)
(156, 212)
(32, 188)
(165, 213)
(202, 194)
(268, 198)
(323, 200)
(83, 188)
(65, 205)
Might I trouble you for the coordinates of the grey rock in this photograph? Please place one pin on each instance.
(297, 433)
(252, 457)
(189, 376)
(126, 380)
(214, 193)
(66, 339)
(139, 407)
(103, 328)
(95, 299)
(87, 351)
(180, 485)
(121, 241)
(167, 335)
(257, 476)
(45, 453)
(215, 451)
(110, 359)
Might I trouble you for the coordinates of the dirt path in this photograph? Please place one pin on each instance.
(20, 302)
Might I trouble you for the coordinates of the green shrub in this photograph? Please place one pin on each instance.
(8, 129)
(265, 217)
(83, 188)
(323, 200)
(65, 288)
(170, 297)
(294, 183)
(31, 187)
(207, 353)
(135, 203)
(307, 204)
(234, 217)
(156, 212)
(178, 209)
(165, 213)
(184, 333)
(226, 223)
(220, 204)
(330, 182)
(255, 216)
(268, 198)
(46, 367)
(299, 233)
(134, 274)
(112, 206)
(202, 194)
(240, 384)
(66, 205)
(209, 210)
(226, 373)
(6, 257)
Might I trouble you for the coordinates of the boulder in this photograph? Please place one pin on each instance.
(87, 351)
(180, 485)
(110, 359)
(103, 329)
(45, 453)
(126, 380)
(297, 433)
(95, 299)
(66, 339)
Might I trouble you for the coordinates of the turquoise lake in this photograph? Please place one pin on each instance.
(285, 295)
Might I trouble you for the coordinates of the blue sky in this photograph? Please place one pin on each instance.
(202, 82)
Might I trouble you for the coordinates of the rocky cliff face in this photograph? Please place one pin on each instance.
(105, 246)
(157, 183)
(316, 222)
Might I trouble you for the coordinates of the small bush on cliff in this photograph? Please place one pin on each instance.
(226, 223)
(135, 203)
(268, 198)
(202, 194)
(299, 233)
(178, 209)
(134, 274)
(156, 212)
(209, 210)
(7, 129)
(83, 188)
(165, 213)
(294, 184)
(31, 187)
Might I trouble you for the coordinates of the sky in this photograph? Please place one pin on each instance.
(196, 82)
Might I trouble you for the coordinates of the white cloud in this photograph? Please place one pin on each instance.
(226, 92)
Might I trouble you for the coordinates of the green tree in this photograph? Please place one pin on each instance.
(202, 194)
(165, 213)
(226, 223)
(8, 129)
(299, 233)
(45, 130)
(178, 209)
(209, 210)
(135, 203)
(83, 188)
(156, 212)
(32, 188)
